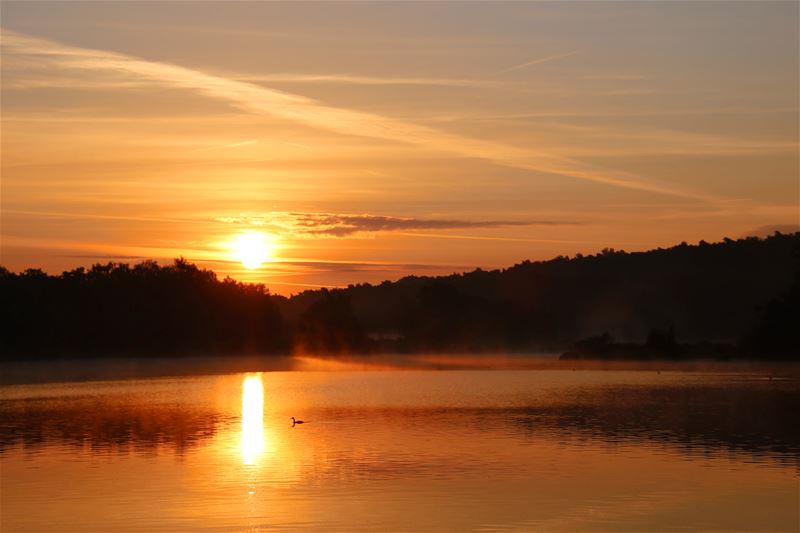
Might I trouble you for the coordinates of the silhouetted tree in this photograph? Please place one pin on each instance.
(776, 334)
(330, 326)
(145, 309)
(662, 342)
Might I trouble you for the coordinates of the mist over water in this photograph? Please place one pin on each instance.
(543, 449)
(98, 369)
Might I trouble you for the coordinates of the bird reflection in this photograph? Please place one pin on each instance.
(252, 418)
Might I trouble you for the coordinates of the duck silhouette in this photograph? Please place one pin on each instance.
(295, 422)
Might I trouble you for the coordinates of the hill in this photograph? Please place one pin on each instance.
(704, 292)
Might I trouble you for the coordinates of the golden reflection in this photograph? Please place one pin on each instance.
(252, 418)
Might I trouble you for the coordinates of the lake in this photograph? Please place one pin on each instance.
(551, 449)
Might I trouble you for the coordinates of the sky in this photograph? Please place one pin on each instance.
(304, 145)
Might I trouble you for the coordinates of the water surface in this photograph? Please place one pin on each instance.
(398, 451)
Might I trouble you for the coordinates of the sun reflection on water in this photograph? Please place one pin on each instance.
(252, 418)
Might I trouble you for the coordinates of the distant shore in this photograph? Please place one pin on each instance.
(43, 371)
(599, 351)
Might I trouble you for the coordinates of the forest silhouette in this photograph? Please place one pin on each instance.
(732, 299)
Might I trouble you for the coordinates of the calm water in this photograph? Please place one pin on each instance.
(392, 451)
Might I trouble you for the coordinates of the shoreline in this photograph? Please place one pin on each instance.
(43, 371)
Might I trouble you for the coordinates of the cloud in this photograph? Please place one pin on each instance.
(91, 216)
(369, 266)
(44, 79)
(345, 225)
(258, 99)
(614, 77)
(603, 243)
(106, 257)
(627, 92)
(594, 113)
(237, 144)
(369, 80)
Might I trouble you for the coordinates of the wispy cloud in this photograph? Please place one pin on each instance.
(627, 92)
(91, 216)
(634, 140)
(261, 100)
(615, 113)
(523, 239)
(345, 225)
(614, 77)
(369, 80)
(236, 144)
(37, 77)
(538, 61)
(367, 266)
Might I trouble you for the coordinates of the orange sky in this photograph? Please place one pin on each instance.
(372, 141)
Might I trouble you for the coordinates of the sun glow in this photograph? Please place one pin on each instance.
(253, 249)
(252, 418)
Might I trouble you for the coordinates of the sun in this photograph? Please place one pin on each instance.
(253, 248)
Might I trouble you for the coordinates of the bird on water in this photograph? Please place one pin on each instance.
(295, 422)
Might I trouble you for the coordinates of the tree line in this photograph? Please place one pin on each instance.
(145, 309)
(735, 298)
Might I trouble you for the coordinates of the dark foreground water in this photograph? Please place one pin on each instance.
(402, 451)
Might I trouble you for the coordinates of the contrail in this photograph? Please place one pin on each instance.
(369, 80)
(261, 100)
(538, 61)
